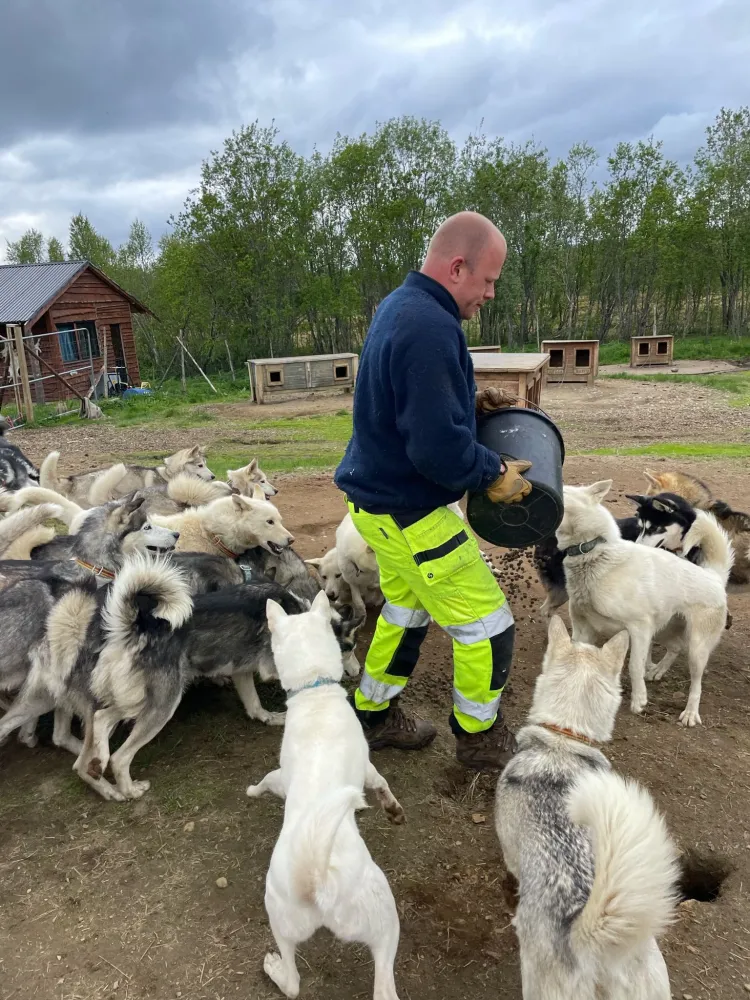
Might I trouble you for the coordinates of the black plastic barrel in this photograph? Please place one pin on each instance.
(513, 433)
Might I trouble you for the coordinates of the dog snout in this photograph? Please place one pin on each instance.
(211, 477)
(290, 540)
(175, 535)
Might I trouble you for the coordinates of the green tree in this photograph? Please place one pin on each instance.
(86, 244)
(28, 249)
(55, 249)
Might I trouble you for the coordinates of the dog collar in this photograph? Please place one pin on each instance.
(318, 682)
(583, 547)
(570, 733)
(102, 571)
(223, 548)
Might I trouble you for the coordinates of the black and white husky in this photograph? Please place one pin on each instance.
(16, 471)
(596, 868)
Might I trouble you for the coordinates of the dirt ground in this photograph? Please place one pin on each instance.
(102, 900)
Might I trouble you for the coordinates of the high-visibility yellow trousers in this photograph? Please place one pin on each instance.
(431, 568)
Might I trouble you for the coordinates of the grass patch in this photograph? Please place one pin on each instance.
(289, 444)
(674, 449)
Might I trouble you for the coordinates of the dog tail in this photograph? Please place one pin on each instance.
(104, 487)
(636, 874)
(33, 495)
(193, 492)
(313, 844)
(706, 534)
(15, 525)
(49, 477)
(143, 590)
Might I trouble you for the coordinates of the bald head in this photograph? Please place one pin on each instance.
(466, 255)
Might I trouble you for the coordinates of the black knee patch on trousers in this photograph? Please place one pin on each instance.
(405, 657)
(502, 657)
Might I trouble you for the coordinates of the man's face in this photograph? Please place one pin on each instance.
(472, 287)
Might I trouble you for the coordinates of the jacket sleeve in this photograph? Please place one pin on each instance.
(435, 412)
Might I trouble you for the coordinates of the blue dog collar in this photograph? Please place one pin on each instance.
(320, 682)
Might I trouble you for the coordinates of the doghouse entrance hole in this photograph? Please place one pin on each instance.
(661, 347)
(341, 371)
(643, 348)
(274, 376)
(703, 876)
(556, 358)
(583, 357)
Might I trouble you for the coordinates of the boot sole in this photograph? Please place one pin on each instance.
(387, 744)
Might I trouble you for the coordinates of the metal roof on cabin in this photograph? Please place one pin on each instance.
(26, 288)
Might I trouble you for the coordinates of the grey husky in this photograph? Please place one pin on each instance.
(597, 871)
(16, 471)
(127, 478)
(129, 653)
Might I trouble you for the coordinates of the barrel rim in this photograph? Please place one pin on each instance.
(524, 409)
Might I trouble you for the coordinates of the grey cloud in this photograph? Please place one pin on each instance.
(119, 101)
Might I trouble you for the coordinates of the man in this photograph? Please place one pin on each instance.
(414, 451)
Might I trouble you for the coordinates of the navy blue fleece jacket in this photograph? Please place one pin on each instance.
(414, 442)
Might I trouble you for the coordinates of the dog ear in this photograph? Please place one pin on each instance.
(557, 634)
(251, 467)
(275, 614)
(598, 491)
(615, 651)
(322, 606)
(241, 501)
(258, 493)
(665, 508)
(315, 563)
(652, 478)
(638, 498)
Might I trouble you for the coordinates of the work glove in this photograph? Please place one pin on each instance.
(510, 486)
(490, 399)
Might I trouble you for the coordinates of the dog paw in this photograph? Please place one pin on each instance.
(271, 718)
(690, 718)
(253, 791)
(136, 789)
(395, 813)
(651, 672)
(275, 970)
(29, 739)
(638, 704)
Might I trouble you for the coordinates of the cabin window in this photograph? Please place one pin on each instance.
(583, 357)
(643, 347)
(661, 347)
(275, 376)
(341, 371)
(78, 341)
(556, 358)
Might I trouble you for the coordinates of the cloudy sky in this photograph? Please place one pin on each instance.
(109, 106)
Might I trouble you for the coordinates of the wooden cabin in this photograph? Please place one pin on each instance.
(572, 360)
(486, 349)
(521, 374)
(651, 350)
(280, 378)
(68, 309)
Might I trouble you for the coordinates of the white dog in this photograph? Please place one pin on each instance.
(596, 868)
(614, 584)
(321, 873)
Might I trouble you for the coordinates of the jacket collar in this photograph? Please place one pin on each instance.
(415, 279)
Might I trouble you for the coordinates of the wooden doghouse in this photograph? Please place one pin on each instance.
(486, 349)
(651, 350)
(273, 378)
(572, 360)
(521, 374)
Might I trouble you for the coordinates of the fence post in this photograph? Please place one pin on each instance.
(23, 371)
